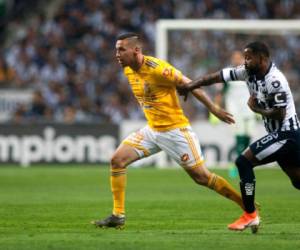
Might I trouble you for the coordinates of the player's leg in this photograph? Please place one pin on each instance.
(293, 172)
(245, 164)
(265, 150)
(290, 162)
(202, 176)
(136, 146)
(184, 147)
(123, 156)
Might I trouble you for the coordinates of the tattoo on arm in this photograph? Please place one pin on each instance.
(206, 80)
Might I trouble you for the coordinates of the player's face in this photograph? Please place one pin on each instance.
(125, 54)
(252, 62)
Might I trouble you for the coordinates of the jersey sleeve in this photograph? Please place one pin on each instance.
(234, 74)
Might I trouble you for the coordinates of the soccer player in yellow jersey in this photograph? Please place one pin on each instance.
(153, 83)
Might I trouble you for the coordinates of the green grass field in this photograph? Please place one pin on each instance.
(51, 207)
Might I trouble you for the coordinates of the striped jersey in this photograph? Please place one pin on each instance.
(272, 91)
(154, 86)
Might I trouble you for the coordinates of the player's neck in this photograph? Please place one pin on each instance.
(264, 70)
(138, 63)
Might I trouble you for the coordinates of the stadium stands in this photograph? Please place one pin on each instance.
(68, 59)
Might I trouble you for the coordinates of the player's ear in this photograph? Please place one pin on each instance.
(137, 49)
(262, 58)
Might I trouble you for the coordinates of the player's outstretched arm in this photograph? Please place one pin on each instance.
(201, 95)
(222, 114)
(206, 80)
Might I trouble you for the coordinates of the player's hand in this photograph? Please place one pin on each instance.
(253, 104)
(223, 115)
(183, 91)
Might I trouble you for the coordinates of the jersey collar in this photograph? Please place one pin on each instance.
(267, 72)
(269, 68)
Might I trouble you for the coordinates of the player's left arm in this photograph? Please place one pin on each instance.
(275, 113)
(277, 101)
(201, 95)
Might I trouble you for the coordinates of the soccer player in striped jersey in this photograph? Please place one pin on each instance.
(153, 82)
(233, 95)
(270, 96)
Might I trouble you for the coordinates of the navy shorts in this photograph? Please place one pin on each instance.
(281, 146)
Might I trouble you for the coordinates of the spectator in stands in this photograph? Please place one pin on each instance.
(7, 73)
(73, 48)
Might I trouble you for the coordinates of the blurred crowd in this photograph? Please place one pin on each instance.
(68, 59)
(209, 55)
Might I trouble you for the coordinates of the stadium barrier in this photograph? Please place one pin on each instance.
(94, 143)
(57, 143)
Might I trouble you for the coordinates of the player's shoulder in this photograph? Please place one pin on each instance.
(274, 74)
(275, 77)
(154, 62)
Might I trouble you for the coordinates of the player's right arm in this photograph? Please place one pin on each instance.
(206, 80)
(224, 75)
(201, 96)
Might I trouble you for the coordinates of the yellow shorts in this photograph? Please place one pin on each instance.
(181, 144)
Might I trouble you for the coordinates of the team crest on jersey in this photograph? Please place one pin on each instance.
(185, 157)
(275, 84)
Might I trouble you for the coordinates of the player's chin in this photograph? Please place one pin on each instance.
(251, 71)
(122, 64)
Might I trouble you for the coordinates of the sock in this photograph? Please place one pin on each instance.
(221, 186)
(118, 185)
(247, 183)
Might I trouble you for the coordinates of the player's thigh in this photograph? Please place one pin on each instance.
(267, 149)
(292, 171)
(139, 144)
(183, 146)
(290, 163)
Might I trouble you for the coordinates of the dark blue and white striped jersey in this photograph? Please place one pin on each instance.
(272, 91)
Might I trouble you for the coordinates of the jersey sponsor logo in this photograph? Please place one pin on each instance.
(148, 95)
(266, 139)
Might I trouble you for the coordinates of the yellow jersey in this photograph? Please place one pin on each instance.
(154, 86)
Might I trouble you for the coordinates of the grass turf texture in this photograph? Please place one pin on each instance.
(51, 207)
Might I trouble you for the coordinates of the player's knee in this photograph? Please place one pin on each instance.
(117, 162)
(239, 162)
(242, 162)
(202, 181)
(296, 184)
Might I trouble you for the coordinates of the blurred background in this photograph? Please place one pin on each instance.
(58, 67)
